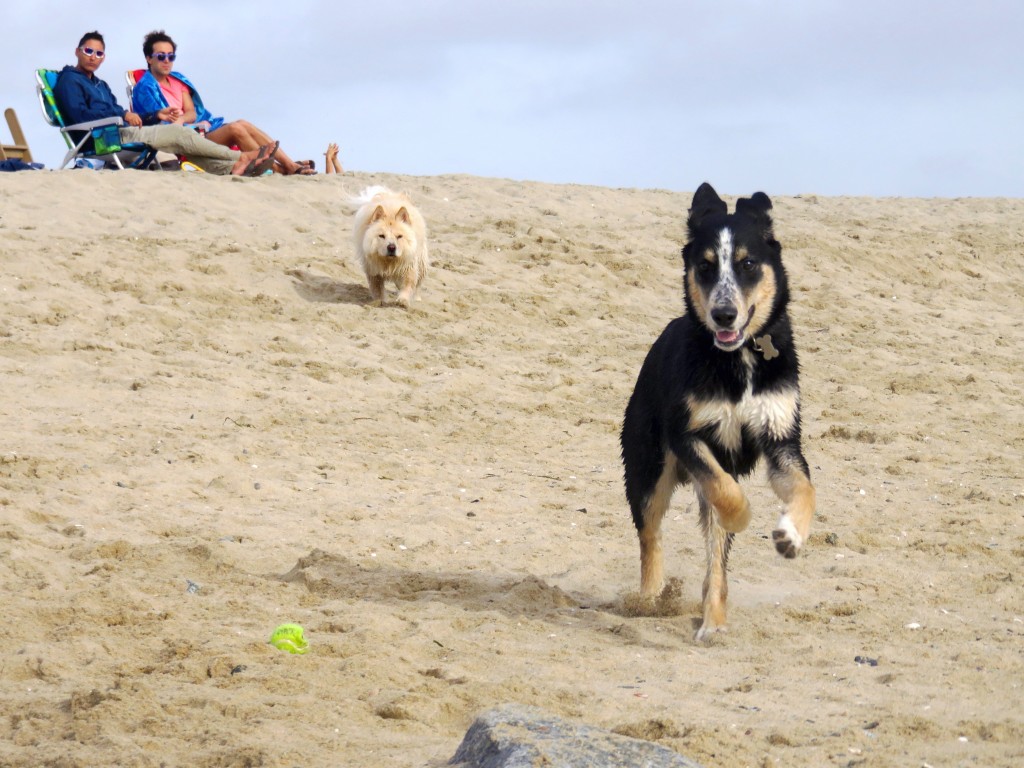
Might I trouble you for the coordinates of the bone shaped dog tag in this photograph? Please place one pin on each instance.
(764, 346)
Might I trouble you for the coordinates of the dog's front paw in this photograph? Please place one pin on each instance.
(786, 538)
(705, 633)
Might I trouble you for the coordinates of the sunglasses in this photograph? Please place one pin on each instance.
(162, 57)
(92, 52)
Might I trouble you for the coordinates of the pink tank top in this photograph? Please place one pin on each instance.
(174, 91)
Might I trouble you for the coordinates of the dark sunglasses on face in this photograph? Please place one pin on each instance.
(92, 52)
(162, 57)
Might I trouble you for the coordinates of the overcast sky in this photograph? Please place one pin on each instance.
(893, 98)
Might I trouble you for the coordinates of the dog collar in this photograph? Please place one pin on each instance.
(763, 344)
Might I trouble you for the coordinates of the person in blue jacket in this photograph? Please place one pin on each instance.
(82, 97)
(161, 87)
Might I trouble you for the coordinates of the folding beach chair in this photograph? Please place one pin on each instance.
(106, 143)
(18, 148)
(164, 159)
(131, 78)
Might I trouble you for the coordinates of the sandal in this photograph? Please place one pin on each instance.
(262, 163)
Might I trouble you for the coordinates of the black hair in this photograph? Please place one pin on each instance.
(91, 36)
(153, 38)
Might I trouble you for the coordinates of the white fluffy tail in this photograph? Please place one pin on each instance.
(368, 194)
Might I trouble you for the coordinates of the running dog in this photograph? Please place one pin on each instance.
(718, 390)
(391, 243)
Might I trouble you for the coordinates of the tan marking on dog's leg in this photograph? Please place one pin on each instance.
(652, 568)
(796, 491)
(725, 495)
(716, 588)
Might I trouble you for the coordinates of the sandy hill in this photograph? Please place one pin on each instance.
(207, 432)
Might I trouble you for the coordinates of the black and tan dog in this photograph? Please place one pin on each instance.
(719, 389)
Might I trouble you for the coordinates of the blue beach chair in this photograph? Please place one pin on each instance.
(106, 144)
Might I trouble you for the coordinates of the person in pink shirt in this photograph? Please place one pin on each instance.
(161, 85)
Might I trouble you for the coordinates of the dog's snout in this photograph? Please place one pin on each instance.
(392, 249)
(724, 315)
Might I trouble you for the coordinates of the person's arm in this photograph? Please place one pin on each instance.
(77, 105)
(148, 105)
(188, 108)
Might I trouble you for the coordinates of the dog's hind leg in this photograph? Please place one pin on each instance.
(716, 589)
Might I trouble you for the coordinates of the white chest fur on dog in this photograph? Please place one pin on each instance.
(768, 413)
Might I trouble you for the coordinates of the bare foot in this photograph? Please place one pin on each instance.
(242, 164)
(333, 166)
(266, 157)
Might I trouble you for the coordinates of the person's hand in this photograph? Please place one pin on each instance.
(132, 119)
(171, 115)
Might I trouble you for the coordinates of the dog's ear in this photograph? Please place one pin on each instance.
(756, 208)
(403, 215)
(706, 202)
(378, 214)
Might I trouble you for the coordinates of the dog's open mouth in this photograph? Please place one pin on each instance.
(729, 340)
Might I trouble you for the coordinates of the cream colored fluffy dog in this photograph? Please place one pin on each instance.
(391, 242)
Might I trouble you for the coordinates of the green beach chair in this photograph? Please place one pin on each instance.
(104, 135)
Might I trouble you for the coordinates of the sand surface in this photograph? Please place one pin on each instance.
(208, 432)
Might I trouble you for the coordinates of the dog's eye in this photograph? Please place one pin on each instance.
(748, 265)
(703, 268)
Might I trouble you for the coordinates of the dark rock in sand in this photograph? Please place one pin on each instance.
(517, 736)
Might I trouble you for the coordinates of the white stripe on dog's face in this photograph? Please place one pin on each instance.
(725, 245)
(725, 289)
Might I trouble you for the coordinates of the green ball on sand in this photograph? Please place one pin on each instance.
(289, 637)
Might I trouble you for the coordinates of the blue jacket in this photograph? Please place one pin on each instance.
(81, 98)
(148, 99)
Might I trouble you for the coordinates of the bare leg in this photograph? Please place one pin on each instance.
(235, 135)
(284, 164)
(246, 136)
(333, 166)
(244, 159)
